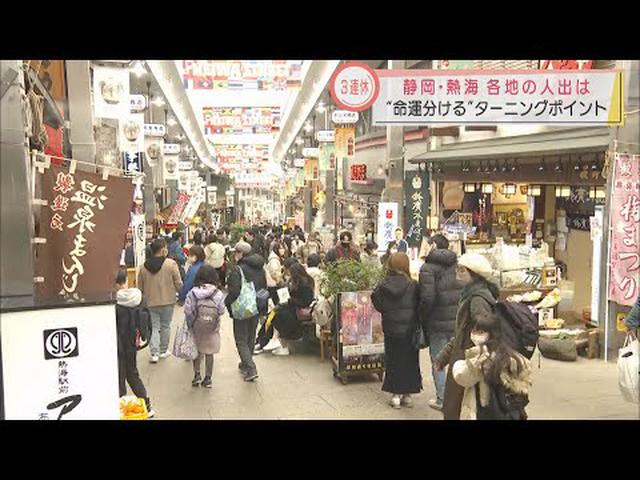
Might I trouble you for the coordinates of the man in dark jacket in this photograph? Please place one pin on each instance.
(176, 253)
(344, 249)
(244, 329)
(439, 297)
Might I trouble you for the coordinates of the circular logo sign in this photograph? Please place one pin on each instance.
(60, 343)
(354, 86)
(417, 183)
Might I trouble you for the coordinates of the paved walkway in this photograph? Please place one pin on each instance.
(302, 387)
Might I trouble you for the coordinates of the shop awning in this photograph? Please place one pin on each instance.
(592, 139)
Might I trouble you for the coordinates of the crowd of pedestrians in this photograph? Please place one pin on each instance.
(269, 282)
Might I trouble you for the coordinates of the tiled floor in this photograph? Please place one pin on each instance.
(302, 387)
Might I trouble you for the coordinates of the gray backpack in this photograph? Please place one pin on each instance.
(207, 312)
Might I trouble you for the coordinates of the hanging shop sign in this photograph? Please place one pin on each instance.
(171, 149)
(132, 163)
(170, 165)
(326, 136)
(137, 103)
(387, 224)
(311, 169)
(311, 152)
(327, 159)
(417, 207)
(276, 75)
(361, 339)
(131, 133)
(344, 151)
(300, 179)
(68, 356)
(358, 172)
(625, 234)
(298, 162)
(191, 209)
(212, 198)
(84, 223)
(240, 120)
(568, 97)
(185, 166)
(153, 152)
(354, 86)
(342, 117)
(230, 201)
(138, 230)
(181, 203)
(111, 92)
(154, 130)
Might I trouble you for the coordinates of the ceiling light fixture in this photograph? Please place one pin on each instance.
(542, 167)
(469, 187)
(559, 168)
(171, 122)
(138, 69)
(487, 188)
(158, 102)
(504, 167)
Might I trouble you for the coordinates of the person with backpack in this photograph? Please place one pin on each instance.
(203, 309)
(396, 298)
(495, 377)
(133, 326)
(159, 280)
(439, 297)
(244, 283)
(477, 300)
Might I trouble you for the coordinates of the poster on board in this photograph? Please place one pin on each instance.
(387, 223)
(60, 364)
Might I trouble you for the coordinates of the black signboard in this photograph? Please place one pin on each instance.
(416, 206)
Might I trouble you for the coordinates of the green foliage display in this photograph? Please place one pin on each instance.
(236, 232)
(349, 276)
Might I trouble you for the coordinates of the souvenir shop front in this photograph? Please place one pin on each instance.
(529, 208)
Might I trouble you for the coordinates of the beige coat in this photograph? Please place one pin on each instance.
(467, 373)
(160, 288)
(273, 271)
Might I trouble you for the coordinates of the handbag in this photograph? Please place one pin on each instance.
(184, 345)
(245, 306)
(628, 368)
(419, 340)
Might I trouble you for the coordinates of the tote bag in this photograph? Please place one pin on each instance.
(629, 369)
(184, 345)
(245, 305)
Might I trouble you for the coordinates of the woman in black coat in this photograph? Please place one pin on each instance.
(396, 298)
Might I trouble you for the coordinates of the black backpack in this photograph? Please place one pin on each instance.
(141, 326)
(519, 327)
(503, 405)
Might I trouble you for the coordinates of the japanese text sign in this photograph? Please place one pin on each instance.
(60, 364)
(417, 202)
(387, 223)
(568, 97)
(354, 86)
(625, 234)
(85, 222)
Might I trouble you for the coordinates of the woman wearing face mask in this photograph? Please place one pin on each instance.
(477, 299)
(196, 258)
(495, 377)
(344, 250)
(274, 269)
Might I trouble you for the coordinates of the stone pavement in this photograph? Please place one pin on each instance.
(301, 387)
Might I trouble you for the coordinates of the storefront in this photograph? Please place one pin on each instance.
(526, 203)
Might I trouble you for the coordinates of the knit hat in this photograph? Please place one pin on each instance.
(477, 264)
(243, 247)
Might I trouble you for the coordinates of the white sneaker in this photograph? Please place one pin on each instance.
(395, 401)
(154, 359)
(257, 350)
(165, 354)
(281, 352)
(151, 414)
(406, 401)
(273, 344)
(435, 404)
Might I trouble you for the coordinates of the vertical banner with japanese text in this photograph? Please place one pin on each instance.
(344, 149)
(138, 229)
(417, 206)
(327, 159)
(387, 223)
(85, 222)
(310, 169)
(178, 208)
(625, 234)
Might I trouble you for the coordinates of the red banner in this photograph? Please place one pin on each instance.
(181, 203)
(84, 223)
(624, 281)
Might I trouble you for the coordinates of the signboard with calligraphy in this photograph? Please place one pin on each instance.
(417, 207)
(625, 233)
(361, 339)
(568, 97)
(132, 163)
(344, 151)
(181, 203)
(327, 156)
(60, 363)
(85, 223)
(387, 223)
